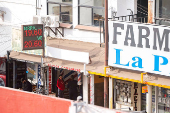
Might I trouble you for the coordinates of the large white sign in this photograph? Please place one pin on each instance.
(69, 55)
(139, 47)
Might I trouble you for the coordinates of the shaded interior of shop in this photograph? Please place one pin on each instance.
(98, 90)
(28, 71)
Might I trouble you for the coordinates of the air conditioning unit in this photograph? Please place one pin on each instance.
(48, 21)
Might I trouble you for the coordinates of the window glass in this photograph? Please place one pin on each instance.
(66, 13)
(86, 16)
(61, 1)
(97, 14)
(123, 92)
(163, 100)
(91, 16)
(99, 3)
(90, 12)
(53, 9)
(163, 11)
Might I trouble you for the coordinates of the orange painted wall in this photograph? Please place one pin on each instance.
(14, 101)
(97, 79)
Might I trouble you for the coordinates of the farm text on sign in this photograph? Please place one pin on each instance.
(32, 37)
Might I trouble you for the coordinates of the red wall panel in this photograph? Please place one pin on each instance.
(14, 101)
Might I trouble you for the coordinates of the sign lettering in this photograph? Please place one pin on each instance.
(32, 37)
(139, 47)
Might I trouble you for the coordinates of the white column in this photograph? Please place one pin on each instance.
(43, 6)
(156, 99)
(92, 89)
(85, 86)
(110, 93)
(149, 100)
(75, 13)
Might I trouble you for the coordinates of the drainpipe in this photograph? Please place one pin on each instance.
(106, 55)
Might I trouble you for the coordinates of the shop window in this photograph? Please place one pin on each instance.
(91, 12)
(162, 12)
(61, 9)
(163, 100)
(123, 92)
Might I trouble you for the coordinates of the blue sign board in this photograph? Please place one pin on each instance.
(39, 76)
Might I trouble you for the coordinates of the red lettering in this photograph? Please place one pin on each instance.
(35, 43)
(30, 44)
(26, 33)
(39, 31)
(39, 43)
(35, 32)
(26, 44)
(29, 32)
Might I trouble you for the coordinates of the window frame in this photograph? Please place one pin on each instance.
(60, 5)
(92, 8)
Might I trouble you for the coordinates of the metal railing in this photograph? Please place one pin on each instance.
(82, 107)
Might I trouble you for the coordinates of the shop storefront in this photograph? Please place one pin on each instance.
(66, 74)
(127, 95)
(139, 56)
(66, 57)
(163, 100)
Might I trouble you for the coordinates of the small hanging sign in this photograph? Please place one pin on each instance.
(144, 89)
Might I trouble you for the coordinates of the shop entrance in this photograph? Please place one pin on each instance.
(66, 75)
(20, 72)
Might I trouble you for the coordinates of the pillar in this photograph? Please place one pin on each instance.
(149, 100)
(156, 99)
(75, 13)
(85, 86)
(14, 74)
(111, 93)
(92, 89)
